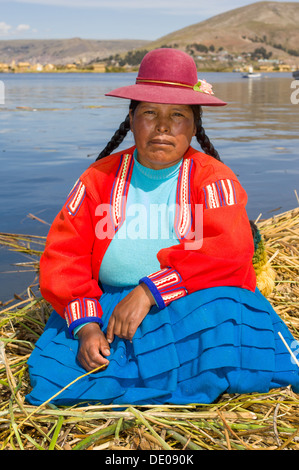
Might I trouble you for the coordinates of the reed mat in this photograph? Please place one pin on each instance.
(235, 422)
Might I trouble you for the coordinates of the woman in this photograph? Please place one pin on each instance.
(150, 264)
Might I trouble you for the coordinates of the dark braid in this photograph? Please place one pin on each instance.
(117, 138)
(201, 136)
(119, 135)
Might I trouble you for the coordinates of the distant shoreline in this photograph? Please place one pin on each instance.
(134, 69)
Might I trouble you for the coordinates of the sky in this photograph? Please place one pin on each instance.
(105, 19)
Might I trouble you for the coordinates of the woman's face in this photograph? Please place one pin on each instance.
(162, 133)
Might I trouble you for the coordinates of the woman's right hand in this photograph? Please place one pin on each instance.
(93, 347)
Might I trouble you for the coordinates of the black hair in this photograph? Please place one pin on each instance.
(201, 135)
(124, 128)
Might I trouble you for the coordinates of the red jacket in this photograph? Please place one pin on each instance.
(210, 200)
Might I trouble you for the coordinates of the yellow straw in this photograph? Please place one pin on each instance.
(60, 391)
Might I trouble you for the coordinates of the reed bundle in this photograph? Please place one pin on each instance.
(267, 421)
(281, 237)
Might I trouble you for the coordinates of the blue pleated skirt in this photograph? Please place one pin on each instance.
(222, 339)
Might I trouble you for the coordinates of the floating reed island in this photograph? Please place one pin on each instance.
(235, 422)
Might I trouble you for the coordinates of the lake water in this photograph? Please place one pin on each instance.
(52, 126)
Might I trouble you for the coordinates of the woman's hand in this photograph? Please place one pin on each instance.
(93, 347)
(129, 313)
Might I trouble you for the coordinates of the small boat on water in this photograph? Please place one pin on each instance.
(251, 73)
(296, 74)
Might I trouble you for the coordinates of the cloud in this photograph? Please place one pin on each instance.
(22, 27)
(4, 28)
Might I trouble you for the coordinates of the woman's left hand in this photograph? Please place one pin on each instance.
(129, 313)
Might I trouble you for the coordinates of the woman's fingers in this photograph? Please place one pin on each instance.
(121, 325)
(93, 347)
(129, 313)
(110, 329)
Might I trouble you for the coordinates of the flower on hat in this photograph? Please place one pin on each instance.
(203, 87)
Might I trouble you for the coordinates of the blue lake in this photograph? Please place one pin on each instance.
(52, 126)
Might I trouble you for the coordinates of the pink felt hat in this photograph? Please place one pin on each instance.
(168, 76)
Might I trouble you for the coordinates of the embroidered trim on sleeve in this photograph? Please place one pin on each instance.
(120, 189)
(218, 194)
(170, 296)
(82, 311)
(183, 220)
(165, 285)
(76, 198)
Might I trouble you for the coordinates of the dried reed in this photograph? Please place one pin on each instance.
(267, 421)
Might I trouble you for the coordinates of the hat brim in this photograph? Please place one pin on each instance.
(165, 95)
